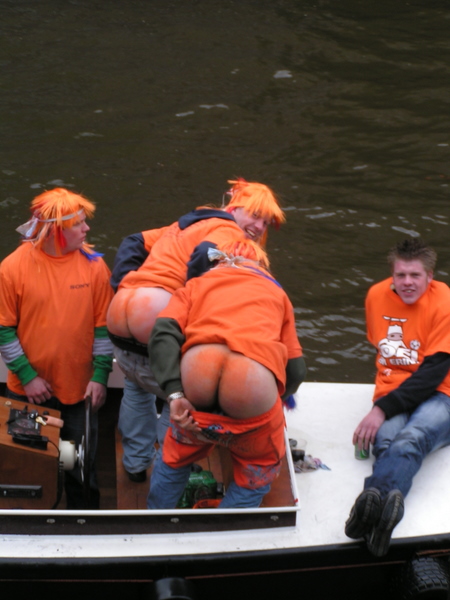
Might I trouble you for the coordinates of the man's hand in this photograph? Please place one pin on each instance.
(38, 390)
(367, 430)
(180, 413)
(97, 392)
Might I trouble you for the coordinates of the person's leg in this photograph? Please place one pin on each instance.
(136, 368)
(172, 466)
(364, 514)
(392, 510)
(246, 391)
(388, 432)
(240, 497)
(143, 376)
(166, 485)
(427, 429)
(399, 453)
(366, 511)
(137, 426)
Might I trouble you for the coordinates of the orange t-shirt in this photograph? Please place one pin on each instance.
(166, 265)
(55, 303)
(404, 334)
(242, 309)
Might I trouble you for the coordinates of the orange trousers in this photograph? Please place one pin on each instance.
(256, 445)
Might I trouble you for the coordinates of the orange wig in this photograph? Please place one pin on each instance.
(53, 211)
(256, 198)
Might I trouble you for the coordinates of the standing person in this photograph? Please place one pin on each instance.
(225, 350)
(54, 295)
(408, 321)
(144, 292)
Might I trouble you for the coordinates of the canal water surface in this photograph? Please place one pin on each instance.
(149, 107)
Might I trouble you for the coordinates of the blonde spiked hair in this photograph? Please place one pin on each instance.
(245, 249)
(53, 211)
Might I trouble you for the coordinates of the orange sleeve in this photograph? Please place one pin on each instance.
(8, 297)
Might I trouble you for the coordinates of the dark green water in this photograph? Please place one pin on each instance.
(149, 106)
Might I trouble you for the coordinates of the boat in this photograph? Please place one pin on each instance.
(285, 546)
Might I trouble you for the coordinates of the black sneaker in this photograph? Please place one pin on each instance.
(391, 514)
(138, 477)
(364, 514)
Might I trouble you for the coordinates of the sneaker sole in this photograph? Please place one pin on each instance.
(363, 523)
(392, 513)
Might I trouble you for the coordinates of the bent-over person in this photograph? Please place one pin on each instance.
(225, 351)
(149, 267)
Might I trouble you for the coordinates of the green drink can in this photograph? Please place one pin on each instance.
(362, 454)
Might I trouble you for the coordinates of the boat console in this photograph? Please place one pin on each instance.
(29, 455)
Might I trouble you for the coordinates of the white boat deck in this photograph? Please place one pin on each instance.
(325, 418)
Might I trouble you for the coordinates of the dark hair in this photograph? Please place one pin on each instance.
(413, 249)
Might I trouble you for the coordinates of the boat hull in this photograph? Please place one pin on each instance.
(267, 550)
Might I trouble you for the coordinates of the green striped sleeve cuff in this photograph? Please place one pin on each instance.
(14, 356)
(21, 367)
(102, 368)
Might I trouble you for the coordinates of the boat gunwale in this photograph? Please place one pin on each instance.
(230, 563)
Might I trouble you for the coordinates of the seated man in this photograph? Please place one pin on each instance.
(144, 292)
(223, 351)
(408, 321)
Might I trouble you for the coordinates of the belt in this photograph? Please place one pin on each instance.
(128, 344)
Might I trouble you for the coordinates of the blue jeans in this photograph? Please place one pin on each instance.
(405, 440)
(167, 486)
(140, 427)
(136, 368)
(73, 429)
